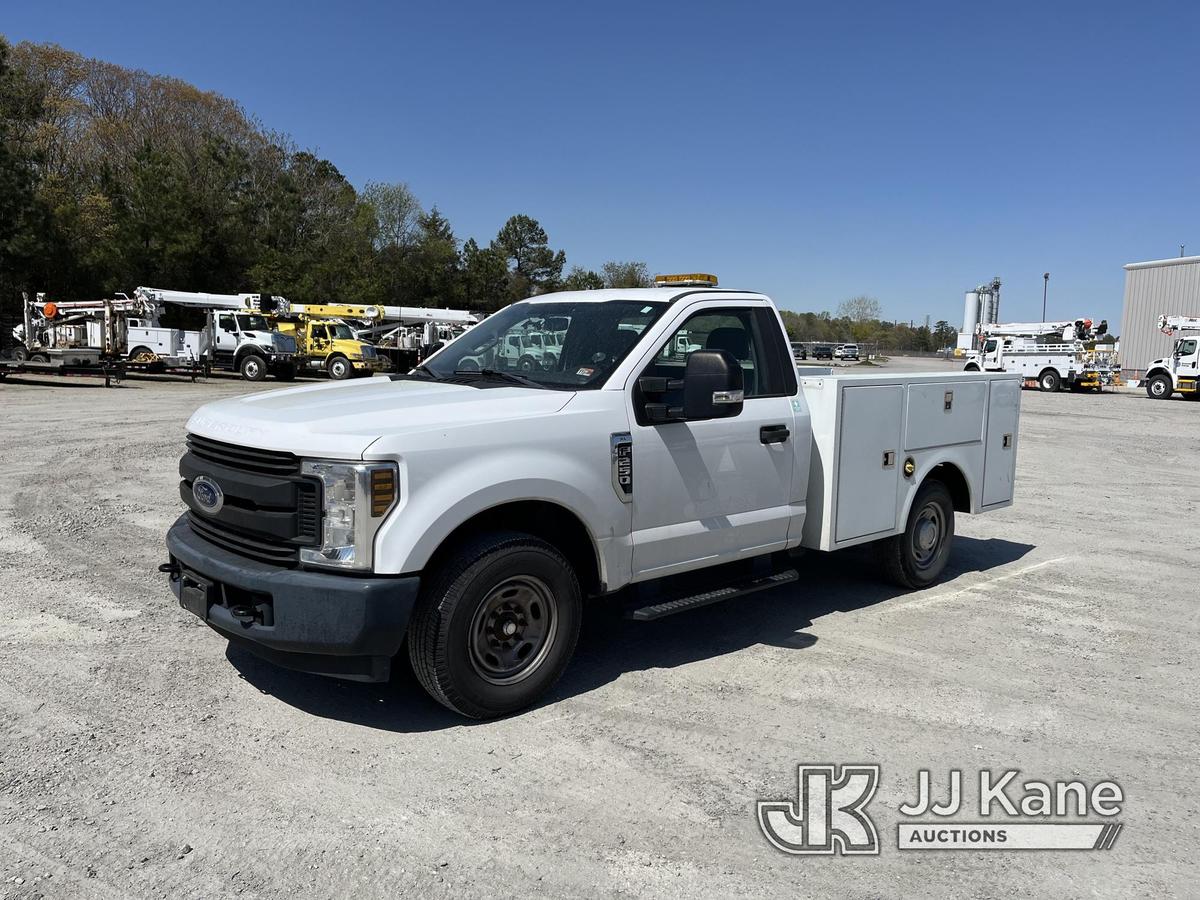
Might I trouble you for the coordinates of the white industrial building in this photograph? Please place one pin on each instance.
(1160, 287)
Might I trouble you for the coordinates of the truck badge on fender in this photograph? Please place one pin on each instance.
(622, 464)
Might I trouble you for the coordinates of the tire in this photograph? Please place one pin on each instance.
(1158, 387)
(253, 367)
(39, 357)
(916, 557)
(459, 639)
(20, 353)
(526, 364)
(339, 368)
(971, 367)
(1049, 381)
(285, 372)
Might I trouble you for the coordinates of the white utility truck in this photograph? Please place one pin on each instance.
(1056, 355)
(1181, 370)
(237, 335)
(467, 511)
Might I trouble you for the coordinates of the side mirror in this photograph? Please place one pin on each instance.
(712, 385)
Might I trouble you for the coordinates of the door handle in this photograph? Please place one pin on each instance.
(774, 434)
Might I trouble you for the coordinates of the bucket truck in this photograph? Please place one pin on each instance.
(121, 329)
(1181, 370)
(237, 335)
(1051, 354)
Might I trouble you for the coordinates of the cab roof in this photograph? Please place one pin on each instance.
(648, 295)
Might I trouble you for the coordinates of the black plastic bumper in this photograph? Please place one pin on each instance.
(329, 624)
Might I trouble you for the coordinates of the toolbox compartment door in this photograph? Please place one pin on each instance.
(1000, 459)
(867, 478)
(939, 414)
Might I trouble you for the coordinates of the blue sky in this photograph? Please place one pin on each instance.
(814, 151)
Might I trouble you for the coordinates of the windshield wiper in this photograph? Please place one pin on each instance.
(496, 375)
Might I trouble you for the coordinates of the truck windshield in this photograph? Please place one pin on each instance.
(592, 338)
(253, 323)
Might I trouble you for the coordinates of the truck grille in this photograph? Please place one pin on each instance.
(246, 459)
(269, 511)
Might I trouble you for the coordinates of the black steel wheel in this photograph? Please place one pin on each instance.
(495, 625)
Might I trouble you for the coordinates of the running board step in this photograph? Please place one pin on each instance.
(736, 589)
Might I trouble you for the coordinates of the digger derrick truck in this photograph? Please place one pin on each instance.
(1181, 370)
(461, 514)
(1052, 355)
(325, 341)
(237, 335)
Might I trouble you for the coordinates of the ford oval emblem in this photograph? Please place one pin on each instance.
(208, 494)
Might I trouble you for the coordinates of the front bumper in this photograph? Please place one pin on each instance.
(378, 364)
(327, 624)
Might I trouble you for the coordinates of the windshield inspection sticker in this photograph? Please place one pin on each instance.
(585, 372)
(829, 815)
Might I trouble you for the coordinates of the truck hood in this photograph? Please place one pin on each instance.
(341, 420)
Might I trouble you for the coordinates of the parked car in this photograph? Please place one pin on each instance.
(799, 351)
(822, 351)
(838, 351)
(850, 351)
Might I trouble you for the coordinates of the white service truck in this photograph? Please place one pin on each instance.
(464, 513)
(1056, 355)
(1181, 370)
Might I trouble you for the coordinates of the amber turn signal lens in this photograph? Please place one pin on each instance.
(383, 491)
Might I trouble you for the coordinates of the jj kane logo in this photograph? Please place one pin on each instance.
(829, 814)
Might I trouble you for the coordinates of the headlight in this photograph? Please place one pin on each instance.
(357, 498)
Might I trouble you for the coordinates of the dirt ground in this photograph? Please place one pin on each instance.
(141, 757)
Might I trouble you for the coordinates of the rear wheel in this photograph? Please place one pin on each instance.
(496, 626)
(916, 557)
(1158, 387)
(39, 357)
(1049, 381)
(338, 368)
(253, 367)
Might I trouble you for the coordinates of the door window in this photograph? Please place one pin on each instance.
(1187, 348)
(225, 323)
(734, 330)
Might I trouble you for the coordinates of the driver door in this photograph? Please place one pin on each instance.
(714, 491)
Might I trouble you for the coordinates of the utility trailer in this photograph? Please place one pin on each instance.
(84, 363)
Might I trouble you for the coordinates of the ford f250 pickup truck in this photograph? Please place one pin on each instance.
(462, 513)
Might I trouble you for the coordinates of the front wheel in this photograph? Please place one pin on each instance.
(1158, 387)
(252, 367)
(496, 626)
(916, 557)
(339, 368)
(526, 364)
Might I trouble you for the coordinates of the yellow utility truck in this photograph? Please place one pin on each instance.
(326, 342)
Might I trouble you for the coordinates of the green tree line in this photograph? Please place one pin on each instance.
(112, 177)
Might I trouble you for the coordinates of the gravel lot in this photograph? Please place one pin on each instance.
(140, 757)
